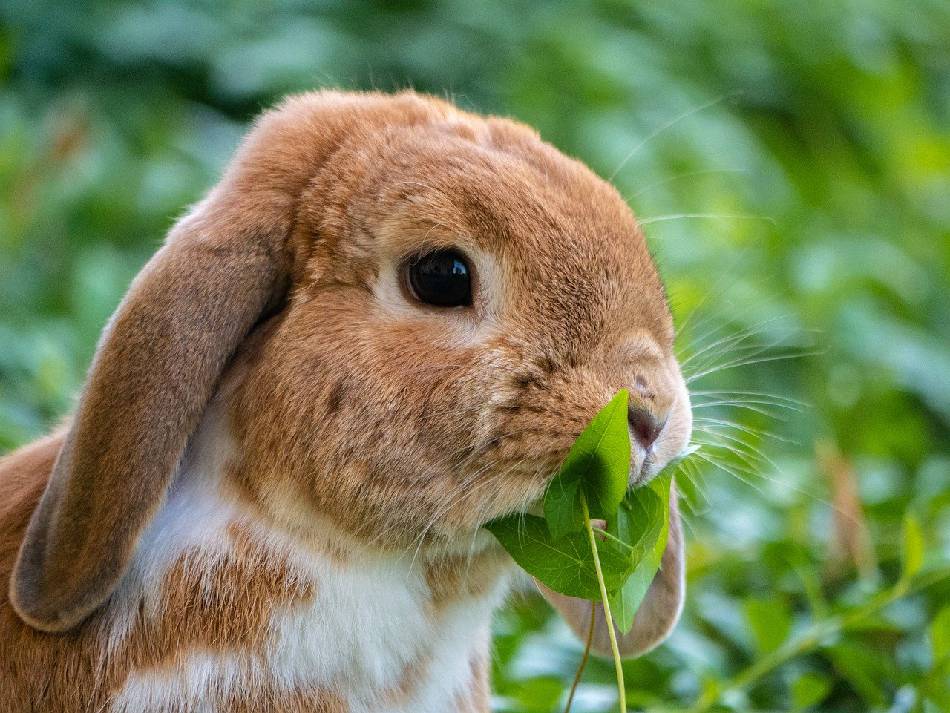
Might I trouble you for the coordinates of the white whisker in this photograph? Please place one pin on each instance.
(733, 365)
(668, 125)
(703, 216)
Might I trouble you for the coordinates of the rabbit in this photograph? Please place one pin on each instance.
(384, 327)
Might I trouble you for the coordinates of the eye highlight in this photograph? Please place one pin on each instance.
(442, 278)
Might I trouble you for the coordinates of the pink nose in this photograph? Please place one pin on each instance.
(646, 425)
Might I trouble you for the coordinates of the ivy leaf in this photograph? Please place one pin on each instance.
(563, 550)
(598, 463)
(557, 549)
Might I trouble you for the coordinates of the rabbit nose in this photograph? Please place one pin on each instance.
(645, 424)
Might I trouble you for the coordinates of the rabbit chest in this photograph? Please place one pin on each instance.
(222, 612)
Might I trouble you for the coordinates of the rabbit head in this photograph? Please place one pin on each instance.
(409, 311)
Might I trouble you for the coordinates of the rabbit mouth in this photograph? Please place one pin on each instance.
(642, 474)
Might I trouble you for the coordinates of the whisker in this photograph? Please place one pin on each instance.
(758, 432)
(730, 469)
(744, 402)
(713, 289)
(702, 216)
(458, 493)
(728, 340)
(743, 407)
(668, 125)
(754, 457)
(726, 367)
(692, 474)
(731, 353)
(750, 464)
(762, 394)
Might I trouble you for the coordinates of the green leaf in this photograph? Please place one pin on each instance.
(864, 669)
(810, 689)
(555, 549)
(643, 521)
(564, 564)
(625, 602)
(940, 636)
(769, 621)
(598, 462)
(562, 505)
(913, 547)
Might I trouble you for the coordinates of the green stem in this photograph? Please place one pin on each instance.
(580, 669)
(621, 689)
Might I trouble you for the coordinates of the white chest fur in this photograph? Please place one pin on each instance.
(365, 634)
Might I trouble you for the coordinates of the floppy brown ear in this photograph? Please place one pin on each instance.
(657, 615)
(160, 357)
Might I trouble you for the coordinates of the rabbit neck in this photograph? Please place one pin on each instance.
(223, 605)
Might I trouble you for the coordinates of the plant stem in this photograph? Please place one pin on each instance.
(580, 668)
(621, 689)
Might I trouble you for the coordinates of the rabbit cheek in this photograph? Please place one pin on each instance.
(354, 433)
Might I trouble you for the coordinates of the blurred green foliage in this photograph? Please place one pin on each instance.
(791, 163)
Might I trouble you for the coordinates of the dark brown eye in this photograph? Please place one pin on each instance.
(441, 278)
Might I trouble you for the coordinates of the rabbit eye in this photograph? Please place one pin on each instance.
(441, 278)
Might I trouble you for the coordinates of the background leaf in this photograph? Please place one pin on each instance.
(913, 547)
(769, 621)
(868, 674)
(810, 689)
(940, 636)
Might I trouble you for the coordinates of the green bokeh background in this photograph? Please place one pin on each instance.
(791, 163)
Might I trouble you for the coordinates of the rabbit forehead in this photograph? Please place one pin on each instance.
(508, 194)
(561, 243)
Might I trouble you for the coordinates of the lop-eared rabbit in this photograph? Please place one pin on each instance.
(383, 327)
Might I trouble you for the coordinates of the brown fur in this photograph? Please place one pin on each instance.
(401, 424)
(219, 609)
(246, 586)
(459, 577)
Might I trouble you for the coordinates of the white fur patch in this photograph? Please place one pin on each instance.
(369, 622)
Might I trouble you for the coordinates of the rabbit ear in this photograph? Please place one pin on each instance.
(153, 373)
(658, 613)
(159, 359)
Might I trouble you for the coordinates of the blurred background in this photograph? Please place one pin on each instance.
(791, 165)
